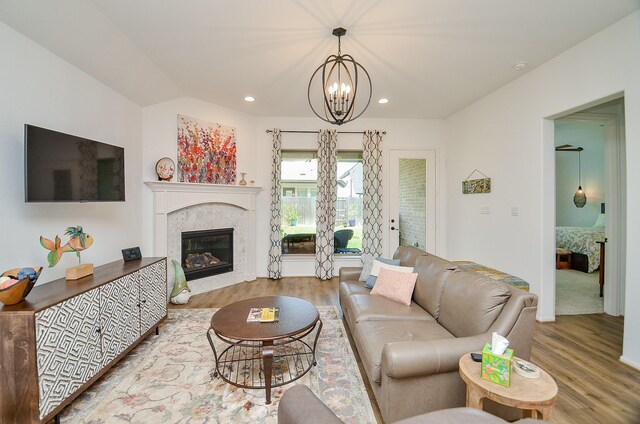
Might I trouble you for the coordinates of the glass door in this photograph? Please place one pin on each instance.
(412, 209)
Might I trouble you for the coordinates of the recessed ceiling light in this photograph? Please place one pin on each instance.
(519, 66)
(249, 99)
(383, 101)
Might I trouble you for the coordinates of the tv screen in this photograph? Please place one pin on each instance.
(64, 168)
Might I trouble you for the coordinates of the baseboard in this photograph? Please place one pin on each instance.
(629, 362)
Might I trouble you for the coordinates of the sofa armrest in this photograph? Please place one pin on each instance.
(350, 273)
(299, 405)
(418, 358)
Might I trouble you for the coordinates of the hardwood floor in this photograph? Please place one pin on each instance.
(580, 351)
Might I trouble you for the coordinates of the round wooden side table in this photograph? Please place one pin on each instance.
(532, 395)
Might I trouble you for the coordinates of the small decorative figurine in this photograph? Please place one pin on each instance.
(78, 241)
(181, 291)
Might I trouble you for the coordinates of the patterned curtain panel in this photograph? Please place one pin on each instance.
(372, 197)
(326, 202)
(274, 269)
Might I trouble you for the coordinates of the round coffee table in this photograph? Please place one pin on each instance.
(262, 355)
(529, 394)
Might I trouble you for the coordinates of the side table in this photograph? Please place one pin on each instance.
(532, 395)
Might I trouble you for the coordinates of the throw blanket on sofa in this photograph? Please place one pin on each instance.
(494, 274)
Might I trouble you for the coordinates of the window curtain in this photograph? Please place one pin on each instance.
(372, 197)
(326, 202)
(274, 268)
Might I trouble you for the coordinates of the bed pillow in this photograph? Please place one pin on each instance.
(377, 266)
(395, 285)
(366, 268)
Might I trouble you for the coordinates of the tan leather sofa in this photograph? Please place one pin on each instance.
(300, 406)
(410, 353)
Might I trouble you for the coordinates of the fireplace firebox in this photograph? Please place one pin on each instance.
(207, 252)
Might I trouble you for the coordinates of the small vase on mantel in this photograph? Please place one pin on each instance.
(243, 182)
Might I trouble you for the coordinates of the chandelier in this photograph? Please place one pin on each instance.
(343, 92)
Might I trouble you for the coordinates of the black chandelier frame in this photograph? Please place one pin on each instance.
(339, 63)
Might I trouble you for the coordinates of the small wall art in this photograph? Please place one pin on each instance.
(481, 185)
(206, 152)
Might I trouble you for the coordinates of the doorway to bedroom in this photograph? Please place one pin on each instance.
(590, 233)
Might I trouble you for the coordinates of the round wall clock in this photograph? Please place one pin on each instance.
(165, 168)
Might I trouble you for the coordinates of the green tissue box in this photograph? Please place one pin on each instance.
(496, 368)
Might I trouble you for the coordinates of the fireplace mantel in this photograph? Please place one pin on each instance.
(169, 197)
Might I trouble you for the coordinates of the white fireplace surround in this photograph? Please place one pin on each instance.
(189, 199)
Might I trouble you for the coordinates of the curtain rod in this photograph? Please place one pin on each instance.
(316, 132)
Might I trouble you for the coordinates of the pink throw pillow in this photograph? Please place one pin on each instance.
(396, 286)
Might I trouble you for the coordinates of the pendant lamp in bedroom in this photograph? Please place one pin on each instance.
(579, 199)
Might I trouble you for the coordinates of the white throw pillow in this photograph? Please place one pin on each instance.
(378, 265)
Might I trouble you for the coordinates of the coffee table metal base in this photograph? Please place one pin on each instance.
(265, 364)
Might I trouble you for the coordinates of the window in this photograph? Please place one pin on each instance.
(299, 174)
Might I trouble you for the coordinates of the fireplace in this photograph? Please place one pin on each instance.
(207, 252)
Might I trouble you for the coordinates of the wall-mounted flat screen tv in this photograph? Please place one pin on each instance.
(64, 168)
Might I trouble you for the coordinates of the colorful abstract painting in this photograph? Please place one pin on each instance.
(206, 152)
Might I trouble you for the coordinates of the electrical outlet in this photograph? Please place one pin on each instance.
(515, 211)
(485, 210)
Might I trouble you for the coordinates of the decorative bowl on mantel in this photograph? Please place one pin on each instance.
(18, 285)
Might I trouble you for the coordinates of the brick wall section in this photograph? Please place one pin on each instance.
(413, 202)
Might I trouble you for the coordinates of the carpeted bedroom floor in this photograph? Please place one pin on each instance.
(578, 293)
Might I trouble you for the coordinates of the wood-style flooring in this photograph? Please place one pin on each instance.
(580, 351)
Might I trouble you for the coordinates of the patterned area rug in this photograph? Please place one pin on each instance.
(578, 293)
(170, 379)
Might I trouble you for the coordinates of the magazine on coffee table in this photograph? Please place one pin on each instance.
(263, 315)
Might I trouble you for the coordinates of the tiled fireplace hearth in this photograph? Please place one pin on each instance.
(186, 208)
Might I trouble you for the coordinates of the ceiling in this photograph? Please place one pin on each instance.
(430, 58)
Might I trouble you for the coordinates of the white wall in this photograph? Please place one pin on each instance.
(506, 136)
(41, 89)
(401, 133)
(590, 136)
(160, 124)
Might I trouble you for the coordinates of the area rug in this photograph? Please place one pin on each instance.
(578, 293)
(170, 379)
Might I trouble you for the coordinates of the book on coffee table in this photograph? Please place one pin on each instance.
(263, 315)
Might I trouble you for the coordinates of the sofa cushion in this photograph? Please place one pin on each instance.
(363, 307)
(347, 288)
(395, 285)
(377, 266)
(470, 303)
(366, 267)
(408, 255)
(432, 273)
(371, 336)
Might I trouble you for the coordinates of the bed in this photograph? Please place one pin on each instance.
(582, 240)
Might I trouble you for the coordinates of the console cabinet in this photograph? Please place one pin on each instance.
(68, 333)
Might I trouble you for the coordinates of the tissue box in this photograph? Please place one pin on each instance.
(496, 368)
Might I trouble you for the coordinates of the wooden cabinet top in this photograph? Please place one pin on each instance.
(46, 295)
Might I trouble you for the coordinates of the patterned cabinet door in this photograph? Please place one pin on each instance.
(67, 344)
(119, 315)
(153, 294)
